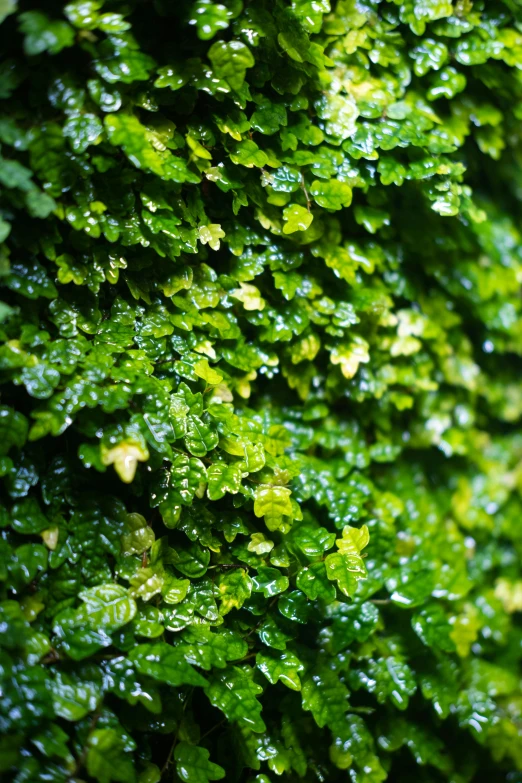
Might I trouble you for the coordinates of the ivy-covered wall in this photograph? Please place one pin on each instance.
(261, 391)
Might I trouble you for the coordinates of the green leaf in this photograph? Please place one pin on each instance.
(235, 587)
(43, 34)
(211, 235)
(107, 606)
(7, 7)
(140, 146)
(193, 765)
(332, 194)
(389, 678)
(268, 117)
(27, 517)
(312, 541)
(210, 17)
(230, 61)
(270, 582)
(247, 153)
(222, 478)
(106, 757)
(346, 570)
(294, 606)
(13, 429)
(186, 477)
(192, 560)
(296, 218)
(74, 696)
(272, 503)
(83, 130)
(234, 692)
(326, 697)
(314, 582)
(200, 438)
(351, 622)
(284, 666)
(432, 626)
(208, 650)
(165, 663)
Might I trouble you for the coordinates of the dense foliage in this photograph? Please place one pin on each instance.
(260, 445)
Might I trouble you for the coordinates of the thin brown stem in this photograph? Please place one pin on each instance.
(303, 186)
(221, 722)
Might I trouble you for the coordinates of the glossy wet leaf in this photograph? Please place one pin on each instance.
(193, 765)
(270, 582)
(106, 757)
(235, 586)
(223, 478)
(230, 61)
(107, 606)
(74, 696)
(234, 692)
(390, 678)
(296, 218)
(272, 503)
(283, 666)
(163, 662)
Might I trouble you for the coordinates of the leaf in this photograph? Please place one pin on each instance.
(124, 448)
(314, 582)
(27, 517)
(179, 485)
(13, 429)
(312, 541)
(284, 666)
(211, 235)
(270, 582)
(351, 622)
(230, 61)
(351, 356)
(234, 692)
(83, 131)
(210, 17)
(333, 194)
(193, 765)
(247, 153)
(43, 34)
(235, 587)
(272, 503)
(354, 540)
(74, 696)
(200, 438)
(346, 570)
(165, 663)
(259, 544)
(138, 143)
(389, 678)
(294, 606)
(208, 650)
(432, 626)
(192, 560)
(106, 757)
(296, 218)
(250, 297)
(107, 606)
(326, 697)
(6, 8)
(222, 478)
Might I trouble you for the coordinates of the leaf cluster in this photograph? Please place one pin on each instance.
(261, 339)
